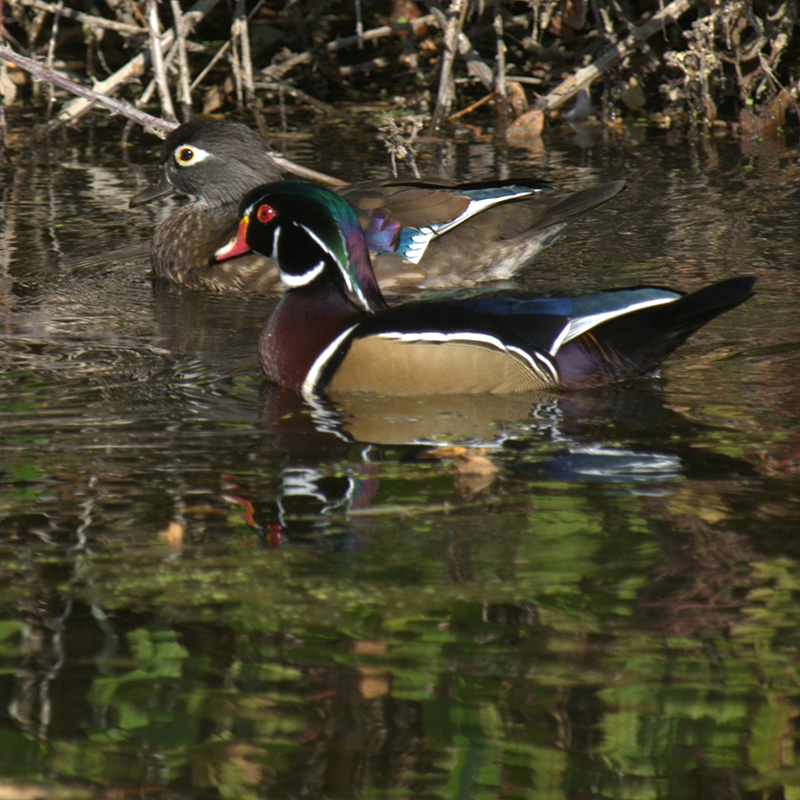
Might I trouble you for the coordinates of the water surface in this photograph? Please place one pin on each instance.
(209, 589)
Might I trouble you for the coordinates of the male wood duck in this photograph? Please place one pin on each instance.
(424, 234)
(332, 332)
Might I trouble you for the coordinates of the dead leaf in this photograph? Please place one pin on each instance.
(173, 534)
(526, 128)
(368, 647)
(473, 462)
(516, 97)
(374, 683)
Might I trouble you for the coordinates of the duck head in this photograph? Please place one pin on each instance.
(312, 234)
(212, 160)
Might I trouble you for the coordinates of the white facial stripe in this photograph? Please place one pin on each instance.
(322, 359)
(538, 363)
(199, 155)
(293, 281)
(356, 290)
(277, 235)
(319, 241)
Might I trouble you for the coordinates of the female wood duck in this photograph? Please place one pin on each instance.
(496, 228)
(332, 331)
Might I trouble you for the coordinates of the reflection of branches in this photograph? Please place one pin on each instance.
(43, 657)
(696, 583)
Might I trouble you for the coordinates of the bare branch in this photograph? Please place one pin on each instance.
(583, 78)
(157, 56)
(146, 120)
(86, 19)
(279, 70)
(451, 25)
(91, 96)
(184, 90)
(136, 67)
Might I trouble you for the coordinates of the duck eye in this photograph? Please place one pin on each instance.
(265, 213)
(184, 155)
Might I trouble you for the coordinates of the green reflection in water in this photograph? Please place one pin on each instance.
(609, 628)
(471, 658)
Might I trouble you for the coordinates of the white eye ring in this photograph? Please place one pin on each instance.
(186, 155)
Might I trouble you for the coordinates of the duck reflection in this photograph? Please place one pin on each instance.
(337, 449)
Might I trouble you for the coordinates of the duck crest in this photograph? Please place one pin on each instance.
(356, 265)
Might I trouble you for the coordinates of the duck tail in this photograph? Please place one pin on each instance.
(635, 344)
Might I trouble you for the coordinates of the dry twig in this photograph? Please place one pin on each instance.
(51, 50)
(126, 110)
(184, 90)
(136, 67)
(583, 78)
(451, 26)
(157, 57)
(400, 140)
(85, 19)
(500, 71)
(241, 30)
(275, 71)
(90, 95)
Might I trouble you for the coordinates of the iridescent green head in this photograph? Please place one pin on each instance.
(309, 232)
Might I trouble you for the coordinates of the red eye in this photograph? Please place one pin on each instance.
(265, 213)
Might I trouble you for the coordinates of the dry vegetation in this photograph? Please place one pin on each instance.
(697, 64)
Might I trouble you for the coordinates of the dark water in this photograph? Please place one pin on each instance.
(208, 589)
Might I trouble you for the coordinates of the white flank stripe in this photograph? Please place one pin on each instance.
(438, 336)
(322, 245)
(537, 361)
(322, 359)
(579, 325)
